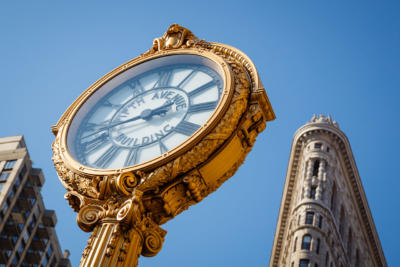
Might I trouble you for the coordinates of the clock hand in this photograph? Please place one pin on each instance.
(145, 115)
(112, 125)
(148, 114)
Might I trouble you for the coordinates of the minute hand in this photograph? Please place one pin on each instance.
(122, 122)
(146, 114)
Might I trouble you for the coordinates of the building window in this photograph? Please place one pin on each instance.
(15, 260)
(316, 168)
(21, 248)
(44, 262)
(304, 263)
(326, 258)
(4, 175)
(333, 198)
(349, 244)
(313, 192)
(320, 221)
(49, 252)
(318, 244)
(309, 217)
(317, 145)
(357, 263)
(341, 222)
(294, 245)
(9, 164)
(26, 237)
(306, 242)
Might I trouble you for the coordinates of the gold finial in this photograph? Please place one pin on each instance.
(175, 37)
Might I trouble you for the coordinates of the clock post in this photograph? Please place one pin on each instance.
(153, 137)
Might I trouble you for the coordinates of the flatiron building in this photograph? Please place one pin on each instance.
(324, 218)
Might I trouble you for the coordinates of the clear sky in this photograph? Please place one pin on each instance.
(332, 57)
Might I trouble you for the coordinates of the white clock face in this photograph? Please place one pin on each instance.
(145, 112)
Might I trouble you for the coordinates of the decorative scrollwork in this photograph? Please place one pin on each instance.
(152, 243)
(88, 217)
(126, 182)
(124, 214)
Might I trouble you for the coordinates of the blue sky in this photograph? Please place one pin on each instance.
(331, 57)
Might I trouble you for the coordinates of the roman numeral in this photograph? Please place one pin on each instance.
(186, 128)
(104, 160)
(203, 106)
(163, 79)
(131, 158)
(201, 88)
(136, 87)
(163, 148)
(90, 126)
(95, 143)
(189, 76)
(107, 103)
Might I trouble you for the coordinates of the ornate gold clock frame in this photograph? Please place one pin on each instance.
(124, 207)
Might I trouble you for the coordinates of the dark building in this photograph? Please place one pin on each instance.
(27, 234)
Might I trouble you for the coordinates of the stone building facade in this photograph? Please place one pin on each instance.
(324, 218)
(27, 234)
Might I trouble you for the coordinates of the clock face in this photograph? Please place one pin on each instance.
(145, 111)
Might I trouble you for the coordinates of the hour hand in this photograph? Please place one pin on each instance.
(163, 109)
(148, 113)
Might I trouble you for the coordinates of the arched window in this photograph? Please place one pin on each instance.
(306, 242)
(318, 244)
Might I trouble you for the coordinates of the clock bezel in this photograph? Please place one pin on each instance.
(225, 99)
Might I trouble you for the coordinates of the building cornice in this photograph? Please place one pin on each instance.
(331, 129)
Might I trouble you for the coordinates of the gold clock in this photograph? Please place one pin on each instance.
(156, 135)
